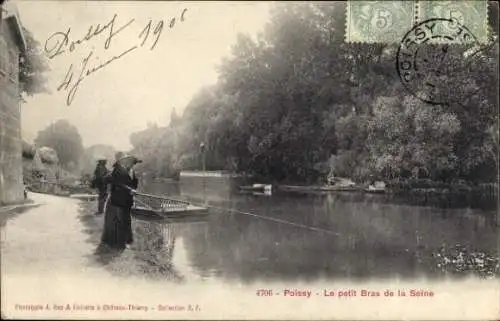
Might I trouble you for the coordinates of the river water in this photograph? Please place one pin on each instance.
(290, 237)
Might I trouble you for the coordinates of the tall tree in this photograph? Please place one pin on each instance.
(297, 101)
(64, 138)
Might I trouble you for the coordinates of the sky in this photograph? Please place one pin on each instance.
(144, 84)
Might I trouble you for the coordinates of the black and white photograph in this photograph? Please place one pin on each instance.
(253, 160)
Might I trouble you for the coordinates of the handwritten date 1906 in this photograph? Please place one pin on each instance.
(72, 83)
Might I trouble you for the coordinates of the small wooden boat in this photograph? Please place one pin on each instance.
(159, 206)
(337, 188)
(261, 193)
(377, 188)
(374, 190)
(294, 188)
(189, 210)
(263, 188)
(171, 219)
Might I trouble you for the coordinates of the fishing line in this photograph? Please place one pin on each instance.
(276, 220)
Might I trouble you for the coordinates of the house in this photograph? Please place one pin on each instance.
(209, 185)
(12, 47)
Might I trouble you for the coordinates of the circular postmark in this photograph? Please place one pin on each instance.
(430, 57)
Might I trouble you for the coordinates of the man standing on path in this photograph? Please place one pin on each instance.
(99, 183)
(118, 155)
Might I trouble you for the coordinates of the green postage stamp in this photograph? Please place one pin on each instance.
(471, 14)
(389, 21)
(379, 21)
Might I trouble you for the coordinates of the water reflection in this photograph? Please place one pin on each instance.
(372, 239)
(154, 248)
(361, 238)
(151, 253)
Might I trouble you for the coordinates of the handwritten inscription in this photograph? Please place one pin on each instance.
(72, 85)
(60, 43)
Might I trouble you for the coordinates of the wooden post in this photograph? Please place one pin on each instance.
(203, 165)
(495, 193)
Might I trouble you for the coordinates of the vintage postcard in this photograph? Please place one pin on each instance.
(227, 160)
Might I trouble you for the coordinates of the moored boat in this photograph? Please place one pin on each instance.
(263, 188)
(336, 188)
(159, 206)
(189, 210)
(376, 188)
(340, 184)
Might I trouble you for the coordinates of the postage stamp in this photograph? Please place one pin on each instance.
(428, 69)
(379, 21)
(473, 14)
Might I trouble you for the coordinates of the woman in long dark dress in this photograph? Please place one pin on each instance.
(117, 231)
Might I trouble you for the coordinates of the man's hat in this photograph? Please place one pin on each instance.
(118, 155)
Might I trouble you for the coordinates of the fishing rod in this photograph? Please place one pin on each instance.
(276, 220)
(136, 193)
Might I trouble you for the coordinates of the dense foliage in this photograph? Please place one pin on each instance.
(298, 103)
(32, 67)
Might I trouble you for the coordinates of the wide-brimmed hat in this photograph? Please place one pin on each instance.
(125, 156)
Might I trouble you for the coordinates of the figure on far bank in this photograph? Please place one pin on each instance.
(117, 231)
(99, 183)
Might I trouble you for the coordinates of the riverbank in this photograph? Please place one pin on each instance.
(481, 196)
(484, 189)
(52, 250)
(324, 188)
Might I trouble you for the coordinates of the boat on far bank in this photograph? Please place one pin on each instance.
(260, 188)
(340, 184)
(335, 188)
(376, 188)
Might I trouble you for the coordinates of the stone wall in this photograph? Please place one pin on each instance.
(11, 174)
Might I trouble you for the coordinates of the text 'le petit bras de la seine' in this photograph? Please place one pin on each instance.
(302, 293)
